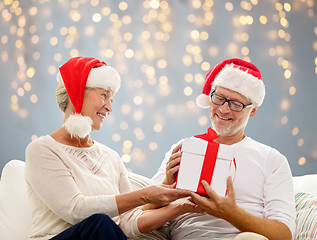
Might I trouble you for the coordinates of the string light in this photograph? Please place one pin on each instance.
(148, 46)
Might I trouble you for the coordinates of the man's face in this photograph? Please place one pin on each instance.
(225, 121)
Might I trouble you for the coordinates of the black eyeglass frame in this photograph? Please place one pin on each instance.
(229, 102)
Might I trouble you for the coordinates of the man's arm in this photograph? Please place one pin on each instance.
(227, 209)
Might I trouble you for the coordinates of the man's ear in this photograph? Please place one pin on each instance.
(253, 111)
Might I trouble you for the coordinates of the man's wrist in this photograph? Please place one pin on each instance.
(235, 213)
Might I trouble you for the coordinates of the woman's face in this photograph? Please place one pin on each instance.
(97, 105)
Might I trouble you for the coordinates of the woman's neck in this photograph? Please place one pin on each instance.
(62, 136)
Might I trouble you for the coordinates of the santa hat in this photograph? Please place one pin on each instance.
(236, 75)
(77, 74)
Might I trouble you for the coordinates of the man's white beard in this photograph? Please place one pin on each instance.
(231, 129)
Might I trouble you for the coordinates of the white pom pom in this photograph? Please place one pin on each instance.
(203, 101)
(78, 125)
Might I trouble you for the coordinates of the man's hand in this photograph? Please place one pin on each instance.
(227, 209)
(172, 166)
(215, 205)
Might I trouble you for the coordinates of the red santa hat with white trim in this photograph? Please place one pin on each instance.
(77, 74)
(237, 75)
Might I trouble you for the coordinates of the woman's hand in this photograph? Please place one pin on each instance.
(163, 194)
(188, 206)
(172, 166)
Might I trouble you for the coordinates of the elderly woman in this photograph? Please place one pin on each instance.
(78, 187)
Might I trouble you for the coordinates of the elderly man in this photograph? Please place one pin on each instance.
(260, 199)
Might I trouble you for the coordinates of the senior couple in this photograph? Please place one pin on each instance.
(79, 188)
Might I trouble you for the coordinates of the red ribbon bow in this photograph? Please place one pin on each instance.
(211, 135)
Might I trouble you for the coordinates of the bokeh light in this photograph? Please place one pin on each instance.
(162, 50)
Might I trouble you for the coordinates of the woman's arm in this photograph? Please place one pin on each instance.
(157, 194)
(155, 218)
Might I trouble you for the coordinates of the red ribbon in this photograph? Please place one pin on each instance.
(210, 136)
(235, 170)
(209, 160)
(208, 166)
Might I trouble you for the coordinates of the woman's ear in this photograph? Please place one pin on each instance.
(253, 111)
(69, 109)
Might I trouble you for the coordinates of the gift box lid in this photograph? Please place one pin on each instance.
(198, 146)
(194, 146)
(225, 152)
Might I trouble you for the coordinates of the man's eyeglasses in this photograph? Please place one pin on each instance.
(233, 105)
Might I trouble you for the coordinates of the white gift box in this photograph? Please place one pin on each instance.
(195, 167)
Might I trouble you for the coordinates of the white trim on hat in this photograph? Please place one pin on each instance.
(59, 77)
(104, 77)
(242, 82)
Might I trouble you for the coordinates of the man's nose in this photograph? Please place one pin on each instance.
(225, 107)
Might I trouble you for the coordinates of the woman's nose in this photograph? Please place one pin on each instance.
(108, 106)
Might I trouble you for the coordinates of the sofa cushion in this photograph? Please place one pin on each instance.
(306, 216)
(15, 209)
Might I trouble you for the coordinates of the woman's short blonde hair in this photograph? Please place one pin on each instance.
(61, 96)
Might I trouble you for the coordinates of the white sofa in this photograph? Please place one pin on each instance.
(15, 211)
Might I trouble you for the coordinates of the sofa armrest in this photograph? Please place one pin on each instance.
(138, 181)
(15, 208)
(306, 183)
